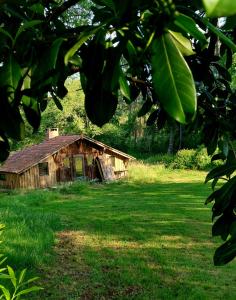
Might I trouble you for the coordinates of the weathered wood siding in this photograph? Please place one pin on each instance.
(51, 178)
(11, 181)
(29, 179)
(61, 167)
(119, 166)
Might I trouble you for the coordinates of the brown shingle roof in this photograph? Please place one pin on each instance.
(20, 161)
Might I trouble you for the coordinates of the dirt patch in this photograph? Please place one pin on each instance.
(71, 277)
(64, 280)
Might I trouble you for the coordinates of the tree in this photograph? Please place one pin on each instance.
(130, 47)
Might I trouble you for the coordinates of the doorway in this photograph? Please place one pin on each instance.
(78, 166)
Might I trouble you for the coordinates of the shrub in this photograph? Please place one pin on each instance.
(184, 159)
(194, 159)
(202, 159)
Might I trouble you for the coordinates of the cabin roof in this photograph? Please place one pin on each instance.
(22, 160)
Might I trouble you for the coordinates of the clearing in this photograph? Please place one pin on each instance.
(148, 237)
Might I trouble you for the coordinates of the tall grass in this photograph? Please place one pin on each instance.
(29, 232)
(140, 172)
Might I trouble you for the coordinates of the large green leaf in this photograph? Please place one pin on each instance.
(182, 43)
(224, 170)
(7, 34)
(11, 122)
(32, 113)
(220, 8)
(132, 53)
(222, 197)
(221, 227)
(124, 86)
(112, 70)
(44, 72)
(53, 55)
(25, 26)
(225, 253)
(10, 74)
(4, 149)
(100, 105)
(146, 107)
(84, 36)
(188, 25)
(224, 39)
(153, 117)
(173, 80)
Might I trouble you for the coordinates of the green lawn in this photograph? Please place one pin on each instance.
(148, 237)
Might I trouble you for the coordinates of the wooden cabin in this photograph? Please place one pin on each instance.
(61, 159)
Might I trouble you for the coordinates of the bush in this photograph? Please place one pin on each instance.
(184, 159)
(203, 160)
(194, 159)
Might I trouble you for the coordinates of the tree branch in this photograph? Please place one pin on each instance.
(138, 81)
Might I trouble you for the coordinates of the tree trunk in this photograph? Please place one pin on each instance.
(171, 140)
(181, 131)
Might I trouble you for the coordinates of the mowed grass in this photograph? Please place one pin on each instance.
(148, 237)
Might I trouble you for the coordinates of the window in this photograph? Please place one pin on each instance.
(79, 165)
(43, 169)
(3, 177)
(67, 162)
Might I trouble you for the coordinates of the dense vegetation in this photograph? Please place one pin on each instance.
(125, 240)
(125, 131)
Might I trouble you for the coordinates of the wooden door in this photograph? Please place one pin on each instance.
(78, 162)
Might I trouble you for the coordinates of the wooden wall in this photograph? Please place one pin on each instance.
(119, 165)
(30, 179)
(59, 172)
(11, 181)
(50, 179)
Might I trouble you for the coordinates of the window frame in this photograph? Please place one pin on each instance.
(3, 177)
(43, 169)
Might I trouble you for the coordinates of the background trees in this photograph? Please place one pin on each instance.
(166, 51)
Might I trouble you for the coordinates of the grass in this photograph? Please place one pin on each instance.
(148, 237)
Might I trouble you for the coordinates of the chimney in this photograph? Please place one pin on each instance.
(52, 133)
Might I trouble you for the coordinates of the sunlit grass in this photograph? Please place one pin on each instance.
(140, 172)
(147, 237)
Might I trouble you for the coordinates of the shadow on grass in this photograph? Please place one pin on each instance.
(87, 268)
(135, 212)
(128, 212)
(127, 241)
